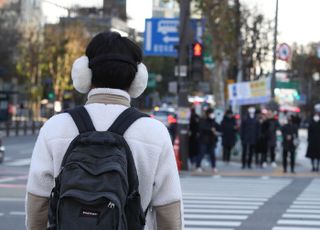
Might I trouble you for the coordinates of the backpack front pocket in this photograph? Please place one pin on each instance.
(83, 211)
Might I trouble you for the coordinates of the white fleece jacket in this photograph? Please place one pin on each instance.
(147, 138)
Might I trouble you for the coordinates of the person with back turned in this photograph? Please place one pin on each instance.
(123, 173)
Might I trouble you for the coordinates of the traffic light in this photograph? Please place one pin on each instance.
(197, 61)
(51, 96)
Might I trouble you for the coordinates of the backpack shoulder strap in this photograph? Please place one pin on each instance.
(125, 119)
(82, 119)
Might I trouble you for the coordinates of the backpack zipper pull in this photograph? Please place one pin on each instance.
(111, 205)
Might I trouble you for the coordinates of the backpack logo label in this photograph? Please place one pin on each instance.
(89, 213)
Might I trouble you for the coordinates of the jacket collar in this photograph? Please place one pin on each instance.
(108, 96)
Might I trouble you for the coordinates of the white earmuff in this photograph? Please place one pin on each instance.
(140, 81)
(81, 76)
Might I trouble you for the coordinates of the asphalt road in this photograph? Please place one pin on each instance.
(13, 178)
(232, 199)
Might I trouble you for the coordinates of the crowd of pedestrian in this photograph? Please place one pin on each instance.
(257, 133)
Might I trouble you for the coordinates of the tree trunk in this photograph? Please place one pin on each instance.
(218, 85)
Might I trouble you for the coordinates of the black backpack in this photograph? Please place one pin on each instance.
(97, 187)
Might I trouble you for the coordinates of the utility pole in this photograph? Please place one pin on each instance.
(273, 78)
(239, 78)
(183, 110)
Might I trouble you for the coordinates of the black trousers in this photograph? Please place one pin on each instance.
(272, 150)
(315, 164)
(247, 159)
(285, 154)
(226, 153)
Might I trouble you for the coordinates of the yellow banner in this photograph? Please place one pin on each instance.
(258, 88)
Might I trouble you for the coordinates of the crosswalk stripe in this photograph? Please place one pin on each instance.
(230, 194)
(203, 206)
(221, 202)
(13, 178)
(214, 217)
(208, 228)
(216, 211)
(299, 222)
(294, 228)
(188, 197)
(309, 199)
(301, 216)
(18, 213)
(189, 223)
(307, 202)
(10, 199)
(20, 162)
(304, 213)
(303, 206)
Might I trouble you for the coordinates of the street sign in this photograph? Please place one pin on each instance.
(162, 35)
(250, 92)
(181, 71)
(284, 52)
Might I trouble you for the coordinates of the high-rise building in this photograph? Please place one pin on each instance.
(165, 9)
(115, 8)
(31, 12)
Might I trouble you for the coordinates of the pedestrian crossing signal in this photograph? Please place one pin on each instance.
(197, 62)
(197, 49)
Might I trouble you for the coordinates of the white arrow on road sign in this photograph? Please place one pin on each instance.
(167, 39)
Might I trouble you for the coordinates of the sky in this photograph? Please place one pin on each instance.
(297, 20)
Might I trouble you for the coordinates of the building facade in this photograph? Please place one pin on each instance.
(165, 9)
(115, 8)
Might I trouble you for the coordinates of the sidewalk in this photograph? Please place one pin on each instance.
(234, 169)
(302, 168)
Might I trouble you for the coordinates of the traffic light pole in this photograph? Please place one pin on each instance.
(183, 124)
(273, 77)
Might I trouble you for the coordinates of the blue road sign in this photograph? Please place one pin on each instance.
(162, 34)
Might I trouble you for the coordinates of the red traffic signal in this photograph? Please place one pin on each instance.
(197, 49)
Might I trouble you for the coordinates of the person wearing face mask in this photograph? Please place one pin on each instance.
(249, 133)
(207, 139)
(313, 151)
(228, 130)
(261, 145)
(289, 135)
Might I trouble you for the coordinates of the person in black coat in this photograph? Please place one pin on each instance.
(228, 130)
(193, 136)
(273, 125)
(207, 139)
(289, 135)
(262, 141)
(313, 151)
(249, 133)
